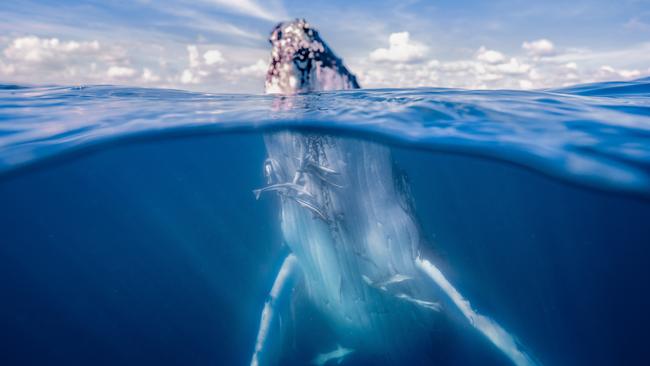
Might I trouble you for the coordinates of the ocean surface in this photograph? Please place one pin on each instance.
(130, 234)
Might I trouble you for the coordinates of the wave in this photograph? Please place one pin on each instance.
(595, 134)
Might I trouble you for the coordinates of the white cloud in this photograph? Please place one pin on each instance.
(250, 8)
(193, 56)
(120, 72)
(235, 68)
(489, 56)
(212, 68)
(539, 48)
(610, 72)
(32, 59)
(257, 69)
(149, 76)
(189, 77)
(34, 49)
(539, 65)
(629, 74)
(212, 57)
(525, 84)
(6, 69)
(400, 49)
(571, 66)
(514, 66)
(232, 30)
(196, 70)
(196, 19)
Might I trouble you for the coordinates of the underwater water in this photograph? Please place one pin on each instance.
(130, 232)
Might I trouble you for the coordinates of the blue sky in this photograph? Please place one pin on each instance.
(220, 45)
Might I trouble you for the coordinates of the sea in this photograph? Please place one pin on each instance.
(130, 234)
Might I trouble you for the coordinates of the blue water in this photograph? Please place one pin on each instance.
(129, 233)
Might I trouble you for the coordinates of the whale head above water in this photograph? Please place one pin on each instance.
(301, 62)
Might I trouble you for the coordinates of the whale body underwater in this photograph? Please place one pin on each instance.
(356, 249)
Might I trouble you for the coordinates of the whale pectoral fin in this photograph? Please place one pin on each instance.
(498, 336)
(257, 193)
(430, 305)
(384, 286)
(287, 271)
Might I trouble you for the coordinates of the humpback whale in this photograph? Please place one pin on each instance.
(301, 62)
(345, 217)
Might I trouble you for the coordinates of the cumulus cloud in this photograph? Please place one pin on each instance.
(571, 65)
(36, 50)
(538, 65)
(120, 72)
(149, 76)
(201, 67)
(400, 49)
(212, 57)
(513, 67)
(6, 69)
(50, 60)
(207, 68)
(405, 62)
(257, 69)
(193, 56)
(610, 72)
(539, 48)
(489, 56)
(190, 77)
